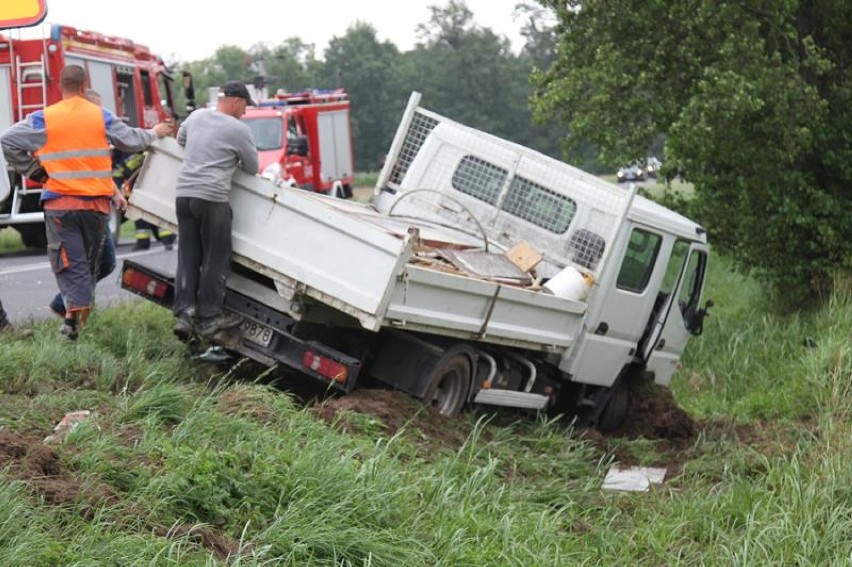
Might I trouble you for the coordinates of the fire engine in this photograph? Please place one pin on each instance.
(304, 140)
(133, 83)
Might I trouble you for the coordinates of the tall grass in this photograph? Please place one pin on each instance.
(183, 464)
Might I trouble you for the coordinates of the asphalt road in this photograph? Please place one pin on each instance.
(27, 284)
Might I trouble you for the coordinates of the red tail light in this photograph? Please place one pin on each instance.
(325, 366)
(144, 283)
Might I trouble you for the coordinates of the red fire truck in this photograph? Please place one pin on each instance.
(304, 140)
(133, 83)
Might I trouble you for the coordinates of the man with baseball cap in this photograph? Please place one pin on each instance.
(215, 144)
(236, 89)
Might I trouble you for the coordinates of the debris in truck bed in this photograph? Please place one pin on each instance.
(524, 256)
(486, 265)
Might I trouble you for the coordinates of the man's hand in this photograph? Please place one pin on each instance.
(37, 173)
(119, 200)
(165, 128)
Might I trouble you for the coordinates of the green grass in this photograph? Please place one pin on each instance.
(10, 240)
(182, 464)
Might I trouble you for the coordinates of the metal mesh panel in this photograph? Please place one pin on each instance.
(479, 178)
(482, 184)
(419, 128)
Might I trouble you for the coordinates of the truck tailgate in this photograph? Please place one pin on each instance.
(290, 236)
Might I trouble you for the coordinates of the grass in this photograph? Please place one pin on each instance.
(10, 240)
(186, 464)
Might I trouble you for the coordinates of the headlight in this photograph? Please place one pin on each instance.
(272, 171)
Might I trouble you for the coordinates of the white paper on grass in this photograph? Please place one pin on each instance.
(634, 479)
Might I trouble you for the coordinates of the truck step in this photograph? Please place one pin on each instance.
(511, 399)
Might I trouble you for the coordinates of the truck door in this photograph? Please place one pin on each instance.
(678, 302)
(619, 310)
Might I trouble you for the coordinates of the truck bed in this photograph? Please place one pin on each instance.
(315, 250)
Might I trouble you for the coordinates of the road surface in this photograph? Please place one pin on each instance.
(27, 284)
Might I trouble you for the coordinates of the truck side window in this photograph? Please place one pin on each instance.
(679, 251)
(480, 179)
(539, 205)
(639, 260)
(147, 96)
(690, 291)
(292, 130)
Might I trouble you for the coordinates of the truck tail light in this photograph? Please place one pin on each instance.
(144, 283)
(325, 366)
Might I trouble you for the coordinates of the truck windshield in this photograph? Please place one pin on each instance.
(267, 132)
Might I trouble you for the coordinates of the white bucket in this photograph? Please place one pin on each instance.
(570, 283)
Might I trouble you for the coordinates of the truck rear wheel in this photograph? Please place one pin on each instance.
(449, 382)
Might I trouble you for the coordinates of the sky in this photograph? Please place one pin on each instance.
(188, 30)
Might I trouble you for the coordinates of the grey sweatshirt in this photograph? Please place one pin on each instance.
(215, 144)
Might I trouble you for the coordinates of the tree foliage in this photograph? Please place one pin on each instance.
(464, 71)
(753, 98)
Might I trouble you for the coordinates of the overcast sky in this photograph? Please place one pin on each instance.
(188, 30)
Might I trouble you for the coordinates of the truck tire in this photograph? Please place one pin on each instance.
(33, 235)
(615, 409)
(449, 382)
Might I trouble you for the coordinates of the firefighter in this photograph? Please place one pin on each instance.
(66, 147)
(124, 167)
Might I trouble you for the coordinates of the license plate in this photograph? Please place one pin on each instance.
(256, 332)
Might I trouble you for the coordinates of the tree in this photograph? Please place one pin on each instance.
(367, 69)
(753, 98)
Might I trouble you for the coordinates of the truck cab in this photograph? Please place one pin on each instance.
(304, 140)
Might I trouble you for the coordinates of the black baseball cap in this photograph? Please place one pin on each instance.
(236, 89)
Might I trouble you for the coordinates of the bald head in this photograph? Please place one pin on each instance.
(72, 80)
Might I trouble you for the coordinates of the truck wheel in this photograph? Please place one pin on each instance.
(449, 383)
(615, 409)
(33, 235)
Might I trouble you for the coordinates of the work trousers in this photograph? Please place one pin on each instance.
(74, 243)
(204, 257)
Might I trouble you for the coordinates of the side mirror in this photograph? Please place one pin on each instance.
(696, 322)
(298, 146)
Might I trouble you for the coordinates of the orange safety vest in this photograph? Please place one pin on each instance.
(76, 154)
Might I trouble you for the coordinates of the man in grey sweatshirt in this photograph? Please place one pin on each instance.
(216, 143)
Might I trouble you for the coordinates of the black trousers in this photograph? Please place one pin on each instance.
(3, 319)
(204, 256)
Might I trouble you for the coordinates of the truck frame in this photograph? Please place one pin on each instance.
(415, 290)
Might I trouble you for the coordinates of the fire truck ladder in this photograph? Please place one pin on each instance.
(25, 70)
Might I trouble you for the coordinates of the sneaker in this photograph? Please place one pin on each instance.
(68, 331)
(183, 329)
(57, 306)
(222, 322)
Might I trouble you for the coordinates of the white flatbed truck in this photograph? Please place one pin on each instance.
(414, 289)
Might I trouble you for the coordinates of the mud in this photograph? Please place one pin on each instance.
(395, 410)
(223, 547)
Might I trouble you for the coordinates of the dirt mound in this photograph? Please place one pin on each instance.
(26, 458)
(653, 413)
(395, 410)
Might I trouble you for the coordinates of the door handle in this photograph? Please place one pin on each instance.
(661, 344)
(602, 329)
